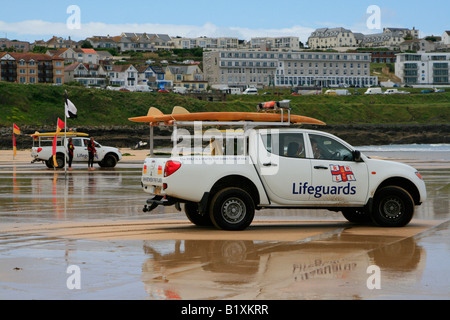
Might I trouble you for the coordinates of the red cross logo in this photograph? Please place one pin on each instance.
(342, 173)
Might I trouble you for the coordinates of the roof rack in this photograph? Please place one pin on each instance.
(241, 123)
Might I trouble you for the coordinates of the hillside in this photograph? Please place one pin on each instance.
(359, 119)
(42, 104)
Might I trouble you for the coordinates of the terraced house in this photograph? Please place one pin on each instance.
(140, 42)
(333, 37)
(31, 68)
(205, 43)
(283, 43)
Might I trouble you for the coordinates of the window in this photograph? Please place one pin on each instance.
(290, 145)
(76, 142)
(326, 148)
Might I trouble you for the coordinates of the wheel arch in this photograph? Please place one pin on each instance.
(58, 154)
(111, 153)
(404, 183)
(237, 181)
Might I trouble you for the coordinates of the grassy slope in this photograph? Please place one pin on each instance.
(43, 104)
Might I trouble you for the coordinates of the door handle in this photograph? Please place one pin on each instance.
(320, 167)
(268, 164)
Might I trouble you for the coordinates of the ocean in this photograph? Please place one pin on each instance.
(439, 152)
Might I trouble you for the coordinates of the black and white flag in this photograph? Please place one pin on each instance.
(71, 110)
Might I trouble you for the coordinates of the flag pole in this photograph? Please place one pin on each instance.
(14, 145)
(65, 136)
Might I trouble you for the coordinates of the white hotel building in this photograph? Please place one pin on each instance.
(423, 68)
(244, 68)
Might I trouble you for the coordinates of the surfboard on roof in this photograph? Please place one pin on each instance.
(155, 116)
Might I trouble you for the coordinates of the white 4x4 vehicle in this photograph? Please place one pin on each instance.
(283, 168)
(106, 156)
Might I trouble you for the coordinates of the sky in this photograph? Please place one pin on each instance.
(31, 20)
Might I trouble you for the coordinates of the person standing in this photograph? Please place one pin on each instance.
(91, 152)
(70, 149)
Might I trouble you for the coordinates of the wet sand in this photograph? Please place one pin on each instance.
(93, 220)
(24, 157)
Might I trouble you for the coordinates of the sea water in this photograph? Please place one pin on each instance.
(439, 152)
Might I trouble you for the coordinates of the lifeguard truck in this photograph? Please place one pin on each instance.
(274, 164)
(42, 150)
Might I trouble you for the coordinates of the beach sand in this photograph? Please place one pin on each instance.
(94, 221)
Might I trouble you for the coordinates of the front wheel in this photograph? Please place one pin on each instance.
(393, 207)
(232, 209)
(109, 161)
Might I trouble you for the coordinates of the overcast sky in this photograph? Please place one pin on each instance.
(39, 20)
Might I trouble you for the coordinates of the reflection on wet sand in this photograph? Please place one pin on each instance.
(53, 195)
(331, 268)
(94, 219)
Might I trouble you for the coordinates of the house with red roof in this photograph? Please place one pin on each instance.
(86, 56)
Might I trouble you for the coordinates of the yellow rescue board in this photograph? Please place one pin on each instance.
(52, 134)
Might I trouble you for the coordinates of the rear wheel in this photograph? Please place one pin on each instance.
(192, 213)
(59, 162)
(393, 207)
(49, 163)
(232, 209)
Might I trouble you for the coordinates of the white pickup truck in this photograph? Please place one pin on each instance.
(42, 150)
(283, 168)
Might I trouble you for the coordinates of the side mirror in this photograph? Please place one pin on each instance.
(357, 156)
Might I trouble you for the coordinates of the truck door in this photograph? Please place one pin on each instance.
(100, 152)
(283, 167)
(80, 150)
(336, 177)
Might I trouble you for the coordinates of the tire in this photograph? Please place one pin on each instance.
(191, 210)
(109, 161)
(357, 215)
(49, 163)
(232, 209)
(59, 161)
(393, 207)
